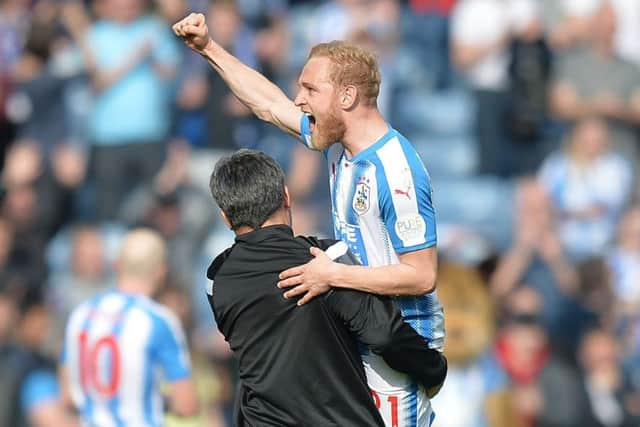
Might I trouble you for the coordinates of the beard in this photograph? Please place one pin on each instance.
(329, 129)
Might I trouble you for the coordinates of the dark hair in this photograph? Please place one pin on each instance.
(248, 186)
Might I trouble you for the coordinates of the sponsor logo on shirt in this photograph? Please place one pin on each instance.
(411, 229)
(405, 188)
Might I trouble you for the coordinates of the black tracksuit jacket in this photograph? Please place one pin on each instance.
(300, 366)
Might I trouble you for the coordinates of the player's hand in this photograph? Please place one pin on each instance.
(193, 31)
(310, 279)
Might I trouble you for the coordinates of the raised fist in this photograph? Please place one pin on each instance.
(193, 31)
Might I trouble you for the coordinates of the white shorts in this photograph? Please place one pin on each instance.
(401, 402)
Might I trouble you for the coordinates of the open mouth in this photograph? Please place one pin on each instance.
(312, 122)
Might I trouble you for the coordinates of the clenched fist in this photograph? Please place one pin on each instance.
(193, 31)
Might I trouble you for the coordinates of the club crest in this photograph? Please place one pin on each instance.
(361, 198)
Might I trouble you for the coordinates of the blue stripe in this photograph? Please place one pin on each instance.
(411, 419)
(114, 402)
(385, 203)
(87, 409)
(334, 198)
(350, 217)
(432, 417)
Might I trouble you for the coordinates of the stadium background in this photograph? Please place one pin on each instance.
(525, 112)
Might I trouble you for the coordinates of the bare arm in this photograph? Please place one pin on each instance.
(51, 414)
(260, 95)
(511, 269)
(567, 104)
(183, 400)
(466, 55)
(414, 275)
(65, 394)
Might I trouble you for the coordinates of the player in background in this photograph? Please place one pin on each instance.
(380, 190)
(116, 345)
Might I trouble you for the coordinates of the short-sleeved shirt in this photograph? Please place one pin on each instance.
(138, 106)
(40, 386)
(117, 348)
(381, 206)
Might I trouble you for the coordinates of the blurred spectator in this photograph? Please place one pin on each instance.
(180, 211)
(14, 21)
(568, 22)
(546, 391)
(536, 257)
(627, 38)
(604, 385)
(589, 186)
(529, 75)
(228, 120)
(131, 57)
(624, 262)
(427, 34)
(480, 36)
(37, 202)
(306, 180)
(580, 89)
(38, 86)
(87, 276)
(28, 377)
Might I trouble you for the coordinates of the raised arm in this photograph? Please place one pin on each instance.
(260, 95)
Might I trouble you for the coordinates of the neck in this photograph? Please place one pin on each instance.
(135, 285)
(280, 217)
(364, 128)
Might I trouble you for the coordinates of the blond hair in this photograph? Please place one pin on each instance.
(351, 65)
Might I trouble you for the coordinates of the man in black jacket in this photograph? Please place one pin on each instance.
(299, 366)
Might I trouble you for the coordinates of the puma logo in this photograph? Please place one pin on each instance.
(402, 193)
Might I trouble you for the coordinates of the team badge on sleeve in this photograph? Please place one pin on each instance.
(362, 196)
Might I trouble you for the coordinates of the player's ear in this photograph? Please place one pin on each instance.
(287, 198)
(348, 97)
(226, 220)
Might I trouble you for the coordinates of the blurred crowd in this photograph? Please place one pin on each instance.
(525, 112)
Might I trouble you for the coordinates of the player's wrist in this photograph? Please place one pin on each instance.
(335, 275)
(209, 49)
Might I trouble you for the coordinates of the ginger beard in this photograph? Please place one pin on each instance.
(328, 128)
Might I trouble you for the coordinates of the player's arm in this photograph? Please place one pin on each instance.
(40, 401)
(376, 322)
(170, 350)
(414, 275)
(409, 219)
(260, 95)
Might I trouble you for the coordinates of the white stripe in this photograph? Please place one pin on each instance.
(74, 327)
(210, 288)
(337, 250)
(403, 193)
(102, 323)
(133, 342)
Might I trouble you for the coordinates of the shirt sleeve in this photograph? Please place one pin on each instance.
(38, 387)
(404, 196)
(170, 348)
(305, 131)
